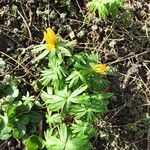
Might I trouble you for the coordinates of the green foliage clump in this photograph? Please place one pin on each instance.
(73, 96)
(105, 7)
(16, 116)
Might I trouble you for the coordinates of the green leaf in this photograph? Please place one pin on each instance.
(77, 143)
(83, 112)
(65, 141)
(78, 91)
(11, 92)
(64, 50)
(46, 96)
(24, 120)
(83, 128)
(47, 76)
(53, 119)
(34, 117)
(38, 48)
(63, 98)
(5, 131)
(97, 83)
(63, 133)
(42, 55)
(78, 111)
(93, 57)
(49, 90)
(90, 116)
(103, 11)
(22, 109)
(28, 100)
(34, 143)
(2, 122)
(19, 131)
(54, 102)
(11, 113)
(56, 73)
(105, 7)
(52, 143)
(76, 77)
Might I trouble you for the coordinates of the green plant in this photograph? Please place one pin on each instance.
(105, 7)
(17, 118)
(74, 96)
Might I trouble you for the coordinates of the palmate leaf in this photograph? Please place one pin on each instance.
(78, 91)
(83, 128)
(114, 5)
(55, 75)
(47, 76)
(92, 57)
(77, 143)
(53, 119)
(65, 141)
(41, 48)
(78, 111)
(80, 58)
(56, 102)
(52, 142)
(83, 112)
(30, 100)
(82, 68)
(82, 62)
(63, 99)
(99, 5)
(73, 78)
(97, 83)
(77, 77)
(98, 103)
(90, 105)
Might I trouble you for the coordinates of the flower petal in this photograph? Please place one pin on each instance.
(51, 36)
(46, 37)
(50, 46)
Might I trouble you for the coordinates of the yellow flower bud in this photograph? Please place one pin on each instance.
(50, 39)
(100, 68)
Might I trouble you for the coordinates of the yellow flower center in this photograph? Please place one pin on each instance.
(100, 68)
(50, 38)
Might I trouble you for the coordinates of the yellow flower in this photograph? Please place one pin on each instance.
(100, 68)
(50, 38)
